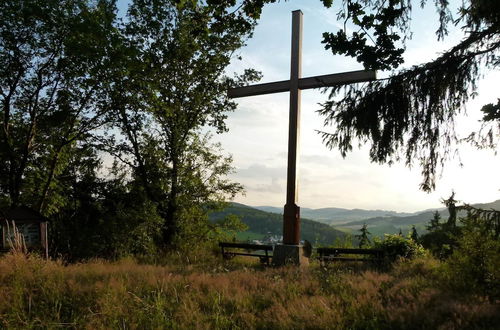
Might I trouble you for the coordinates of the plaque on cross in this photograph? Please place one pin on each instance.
(291, 214)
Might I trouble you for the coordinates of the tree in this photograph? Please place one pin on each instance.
(105, 217)
(364, 241)
(413, 233)
(450, 203)
(411, 114)
(55, 57)
(474, 265)
(443, 238)
(434, 224)
(173, 84)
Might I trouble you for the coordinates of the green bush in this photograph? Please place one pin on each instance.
(474, 265)
(397, 247)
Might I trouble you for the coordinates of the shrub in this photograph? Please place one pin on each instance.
(474, 265)
(396, 247)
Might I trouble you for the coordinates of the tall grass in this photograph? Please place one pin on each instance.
(35, 293)
(15, 239)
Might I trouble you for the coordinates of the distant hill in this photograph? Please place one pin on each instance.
(265, 220)
(420, 220)
(335, 215)
(379, 221)
(265, 223)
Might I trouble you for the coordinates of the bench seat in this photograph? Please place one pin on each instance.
(262, 251)
(339, 254)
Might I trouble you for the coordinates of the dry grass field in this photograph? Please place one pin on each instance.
(212, 294)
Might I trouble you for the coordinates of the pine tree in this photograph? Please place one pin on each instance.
(414, 234)
(410, 115)
(434, 223)
(364, 241)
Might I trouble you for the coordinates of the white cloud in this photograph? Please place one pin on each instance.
(259, 131)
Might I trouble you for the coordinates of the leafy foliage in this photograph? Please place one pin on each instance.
(383, 54)
(176, 53)
(55, 60)
(475, 263)
(410, 115)
(396, 246)
(80, 88)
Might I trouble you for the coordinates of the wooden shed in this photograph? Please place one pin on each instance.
(30, 223)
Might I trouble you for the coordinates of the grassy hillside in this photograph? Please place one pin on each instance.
(261, 222)
(213, 294)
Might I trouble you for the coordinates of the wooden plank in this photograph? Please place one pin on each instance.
(246, 246)
(337, 79)
(291, 214)
(247, 254)
(348, 251)
(304, 83)
(347, 259)
(259, 89)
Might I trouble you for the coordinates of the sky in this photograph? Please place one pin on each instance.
(258, 129)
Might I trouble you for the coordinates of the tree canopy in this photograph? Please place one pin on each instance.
(411, 114)
(101, 117)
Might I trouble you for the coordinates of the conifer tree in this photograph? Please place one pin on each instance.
(410, 116)
(434, 224)
(414, 234)
(364, 241)
(450, 203)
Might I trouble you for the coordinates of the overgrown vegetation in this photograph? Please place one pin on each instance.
(204, 292)
(101, 119)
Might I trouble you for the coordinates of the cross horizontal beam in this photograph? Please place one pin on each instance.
(304, 83)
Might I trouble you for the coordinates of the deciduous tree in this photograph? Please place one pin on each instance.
(174, 85)
(55, 58)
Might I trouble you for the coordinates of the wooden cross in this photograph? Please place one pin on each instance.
(291, 214)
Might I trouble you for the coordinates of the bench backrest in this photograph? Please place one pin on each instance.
(249, 246)
(322, 251)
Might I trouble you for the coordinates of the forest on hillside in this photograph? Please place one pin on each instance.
(271, 224)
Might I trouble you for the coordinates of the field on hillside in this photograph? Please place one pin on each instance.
(205, 292)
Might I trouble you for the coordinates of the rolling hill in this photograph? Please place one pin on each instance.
(335, 215)
(379, 221)
(381, 225)
(266, 223)
(267, 220)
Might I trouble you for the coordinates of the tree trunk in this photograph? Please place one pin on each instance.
(170, 224)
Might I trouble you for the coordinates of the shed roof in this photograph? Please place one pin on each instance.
(22, 213)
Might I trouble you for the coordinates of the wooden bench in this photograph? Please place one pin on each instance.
(251, 250)
(338, 254)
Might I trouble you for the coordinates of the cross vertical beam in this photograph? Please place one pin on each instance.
(291, 214)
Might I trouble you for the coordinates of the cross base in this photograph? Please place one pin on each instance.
(290, 255)
(291, 224)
